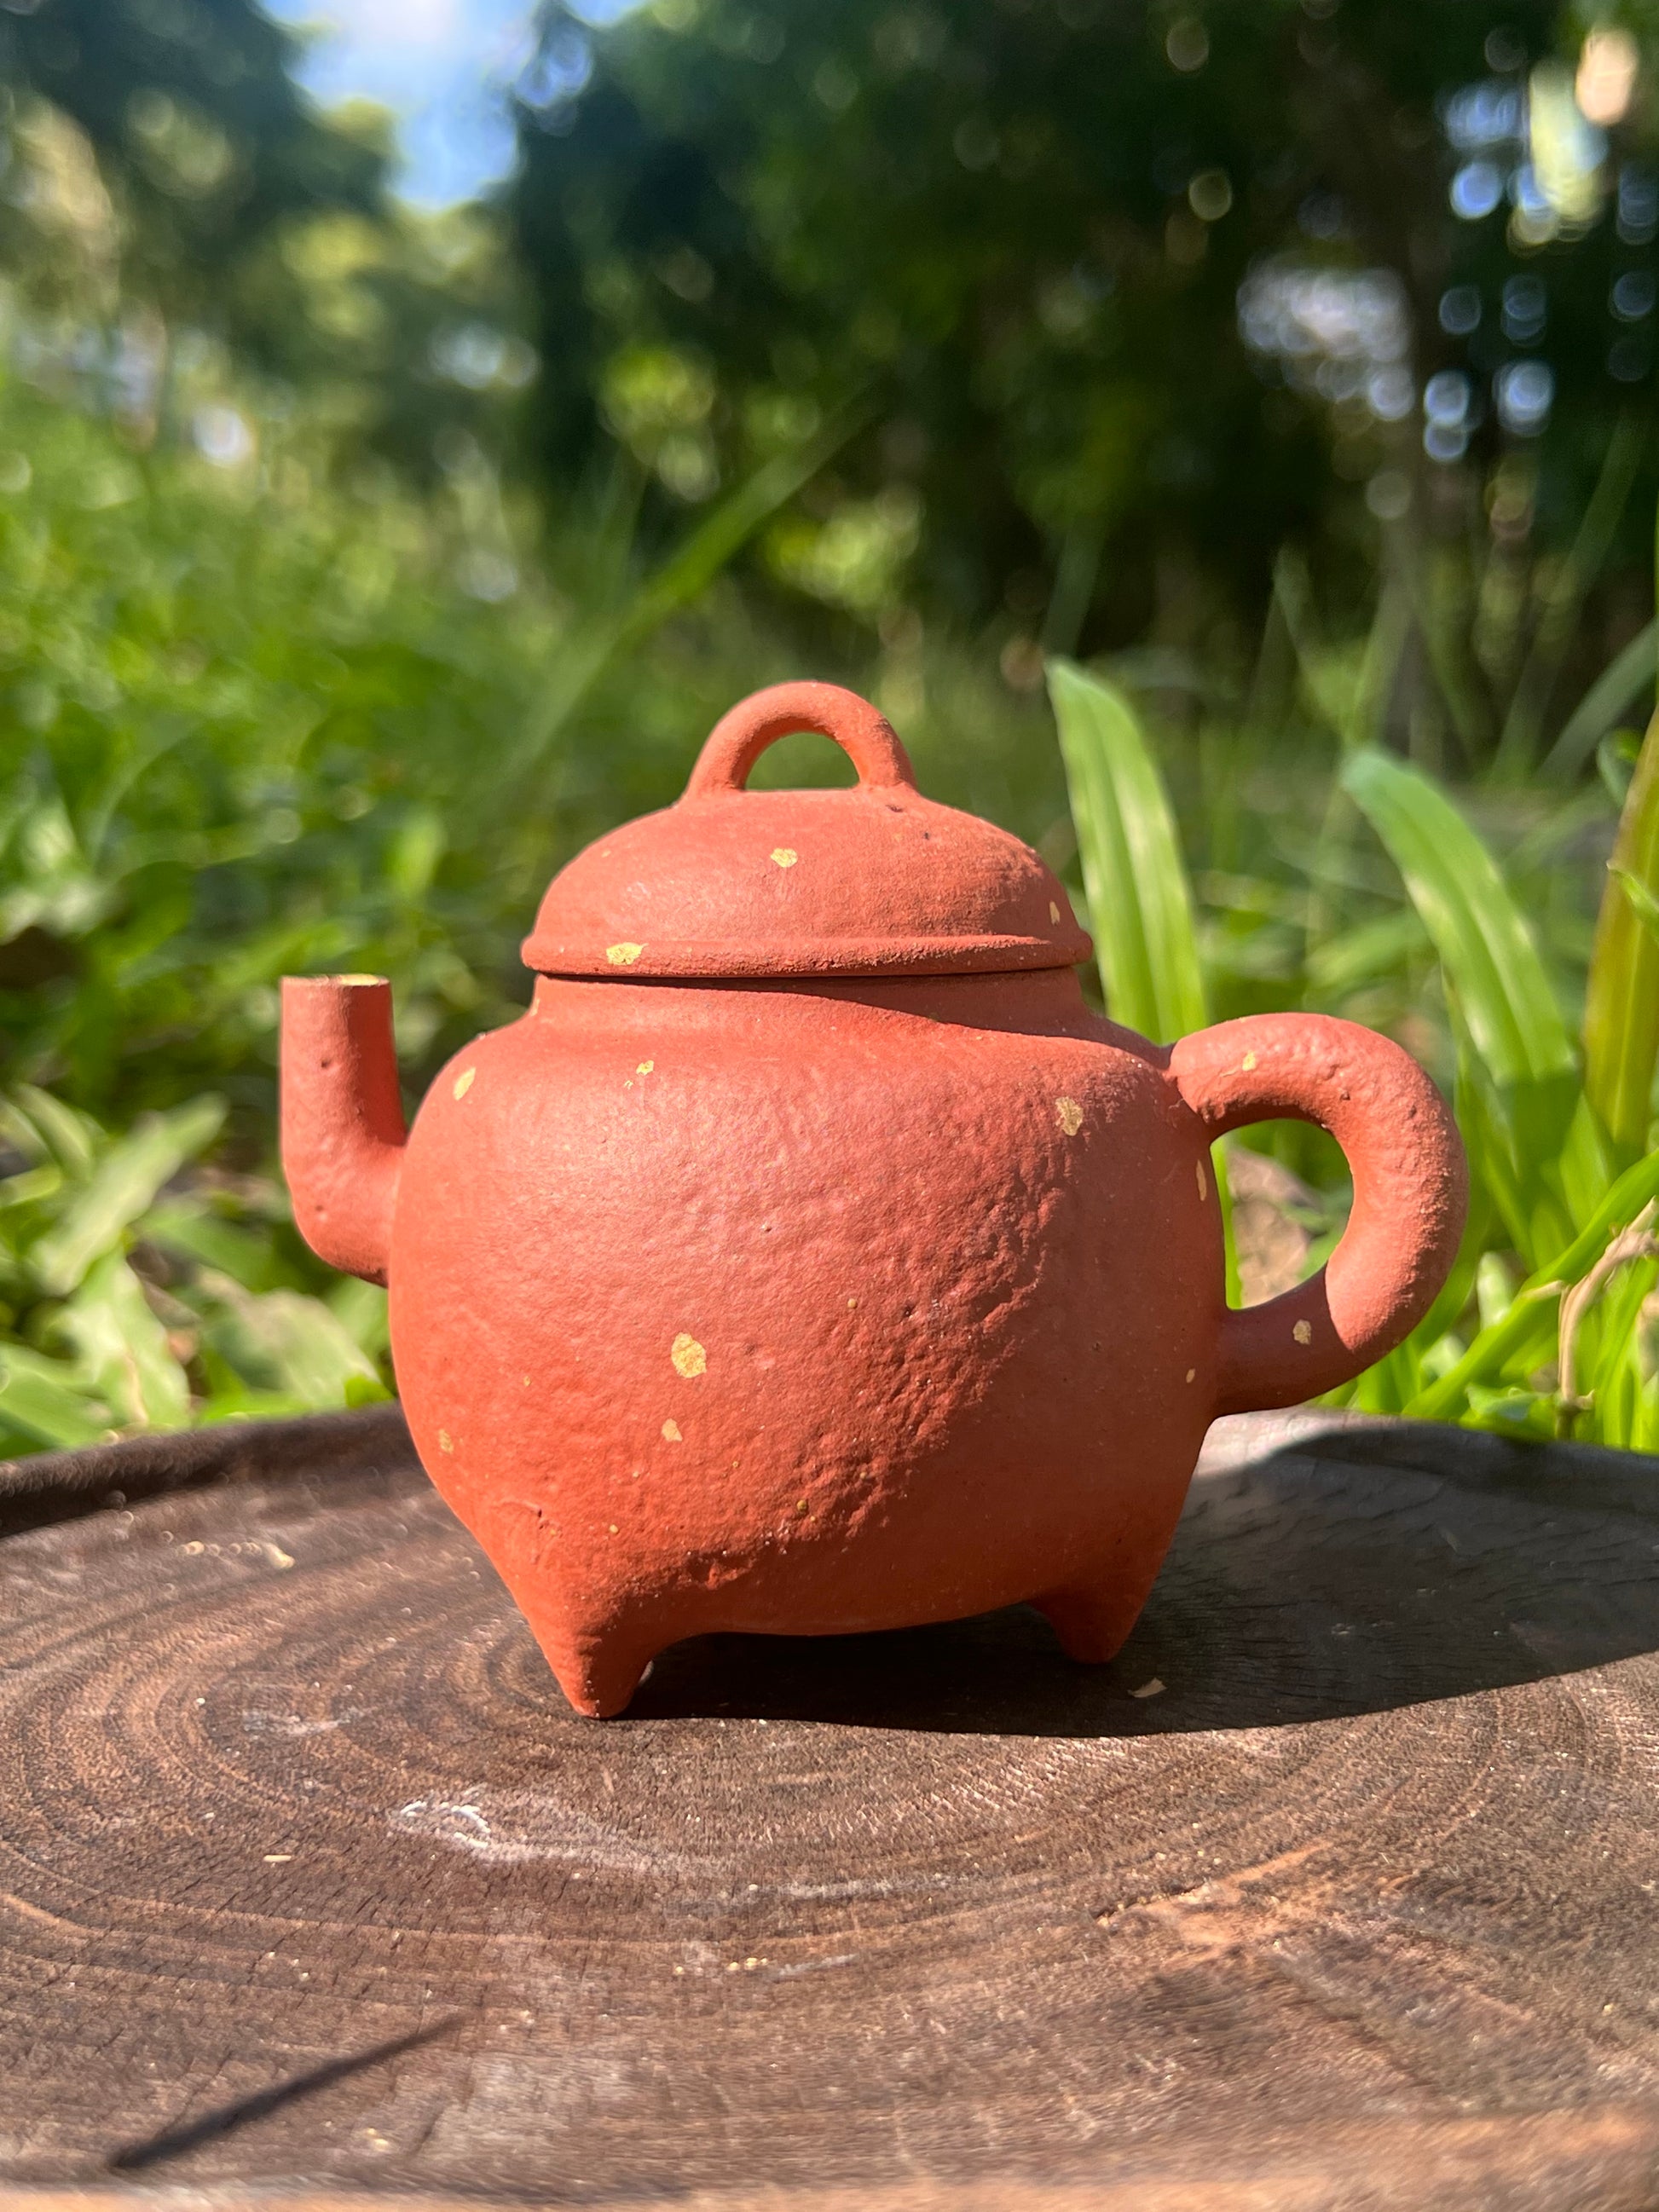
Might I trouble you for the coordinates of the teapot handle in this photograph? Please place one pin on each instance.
(740, 737)
(1410, 1194)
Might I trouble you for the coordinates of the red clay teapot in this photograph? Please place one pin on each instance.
(811, 1257)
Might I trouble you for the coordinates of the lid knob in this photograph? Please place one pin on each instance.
(739, 737)
(872, 881)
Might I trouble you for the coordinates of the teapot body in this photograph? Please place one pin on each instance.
(810, 1258)
(807, 1308)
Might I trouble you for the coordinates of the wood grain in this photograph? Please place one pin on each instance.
(310, 1883)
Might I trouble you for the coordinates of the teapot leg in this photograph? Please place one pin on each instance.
(1093, 1624)
(598, 1665)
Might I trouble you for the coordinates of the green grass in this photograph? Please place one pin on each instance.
(255, 721)
(1558, 1128)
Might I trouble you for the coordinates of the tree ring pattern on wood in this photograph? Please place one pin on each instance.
(305, 1867)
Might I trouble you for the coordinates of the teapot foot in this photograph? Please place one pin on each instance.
(1092, 1625)
(598, 1668)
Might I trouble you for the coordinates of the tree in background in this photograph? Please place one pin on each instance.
(196, 125)
(170, 192)
(1131, 296)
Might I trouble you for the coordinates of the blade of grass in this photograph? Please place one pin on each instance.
(187, 1228)
(1519, 1053)
(1618, 688)
(1532, 1301)
(1141, 903)
(1644, 1433)
(1517, 748)
(1621, 1000)
(43, 1125)
(683, 576)
(1347, 687)
(1433, 602)
(1140, 898)
(1615, 1388)
(285, 1341)
(1485, 945)
(1076, 574)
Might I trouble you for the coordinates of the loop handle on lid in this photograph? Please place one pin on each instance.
(739, 737)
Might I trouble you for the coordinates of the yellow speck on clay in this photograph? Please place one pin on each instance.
(1191, 1374)
(688, 1355)
(1053, 911)
(851, 1303)
(1248, 1062)
(645, 1068)
(614, 1529)
(463, 1081)
(785, 856)
(1203, 1183)
(1302, 1331)
(1069, 1115)
(446, 1442)
(670, 1432)
(623, 955)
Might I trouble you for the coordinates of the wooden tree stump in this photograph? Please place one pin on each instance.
(1338, 1888)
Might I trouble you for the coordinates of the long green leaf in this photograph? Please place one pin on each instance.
(46, 1399)
(1379, 947)
(122, 1187)
(1347, 685)
(1516, 1046)
(1141, 903)
(123, 1348)
(1485, 945)
(1621, 999)
(45, 1128)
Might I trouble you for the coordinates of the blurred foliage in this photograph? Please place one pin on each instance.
(129, 1305)
(254, 721)
(197, 143)
(257, 725)
(168, 196)
(922, 350)
(1135, 296)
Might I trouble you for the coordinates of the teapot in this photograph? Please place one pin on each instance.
(811, 1257)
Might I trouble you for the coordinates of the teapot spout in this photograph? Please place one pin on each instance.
(343, 1121)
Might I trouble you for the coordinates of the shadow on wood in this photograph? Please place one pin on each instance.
(1306, 1582)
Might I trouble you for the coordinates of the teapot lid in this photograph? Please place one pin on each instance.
(875, 880)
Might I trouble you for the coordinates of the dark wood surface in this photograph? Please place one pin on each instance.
(310, 1885)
